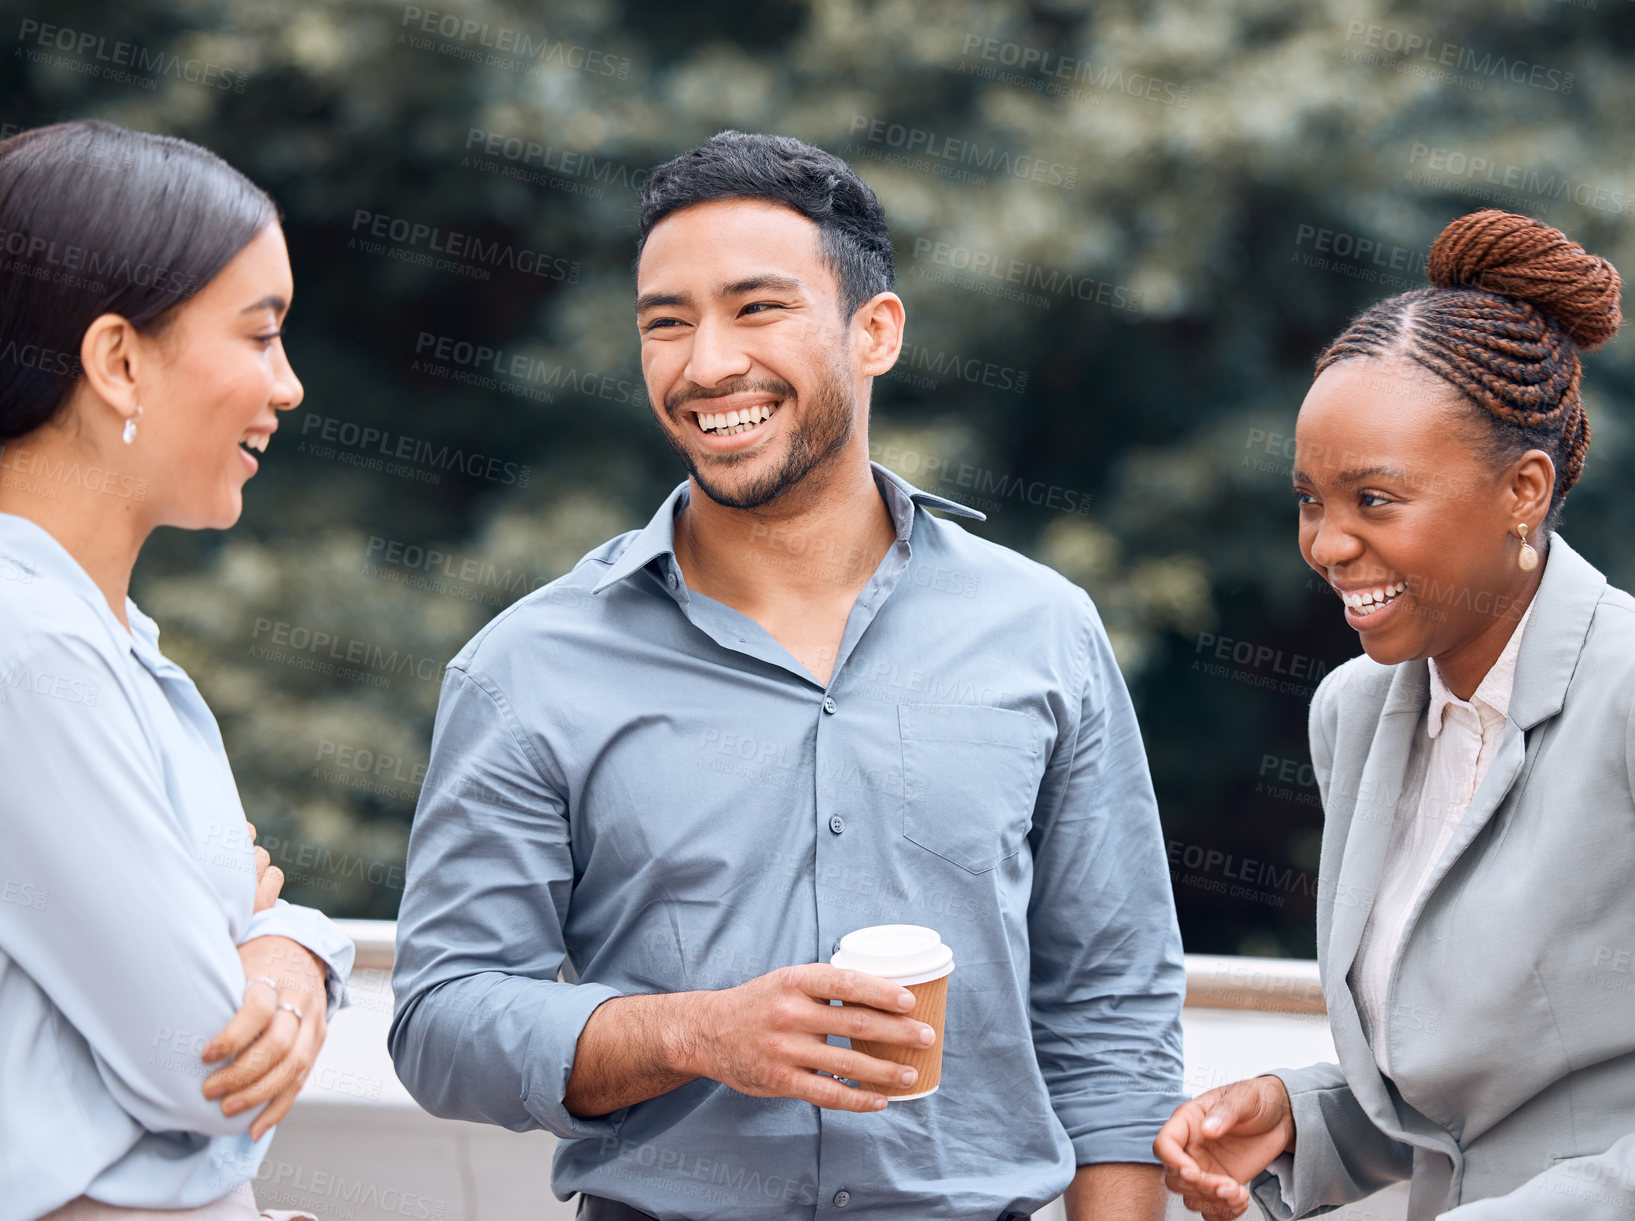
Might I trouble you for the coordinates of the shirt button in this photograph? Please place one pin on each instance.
(837, 824)
(842, 1198)
(829, 704)
(674, 581)
(835, 948)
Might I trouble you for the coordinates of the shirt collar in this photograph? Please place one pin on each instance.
(1491, 699)
(658, 537)
(31, 545)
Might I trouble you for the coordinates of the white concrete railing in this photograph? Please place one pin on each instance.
(358, 1148)
(1214, 981)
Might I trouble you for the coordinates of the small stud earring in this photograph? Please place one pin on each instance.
(129, 434)
(1527, 560)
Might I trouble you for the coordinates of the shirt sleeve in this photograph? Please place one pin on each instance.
(309, 927)
(483, 1029)
(1108, 978)
(124, 931)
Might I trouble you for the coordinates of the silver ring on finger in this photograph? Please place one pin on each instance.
(292, 1007)
(266, 979)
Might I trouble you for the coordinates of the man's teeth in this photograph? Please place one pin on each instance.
(725, 423)
(1366, 602)
(255, 441)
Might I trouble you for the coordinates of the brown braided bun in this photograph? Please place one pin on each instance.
(1517, 256)
(1513, 300)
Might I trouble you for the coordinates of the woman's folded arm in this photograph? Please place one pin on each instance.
(126, 933)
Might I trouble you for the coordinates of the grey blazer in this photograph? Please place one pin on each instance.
(1511, 1011)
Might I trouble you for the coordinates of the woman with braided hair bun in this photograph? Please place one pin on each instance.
(1476, 898)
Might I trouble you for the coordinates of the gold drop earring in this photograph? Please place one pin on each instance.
(1527, 560)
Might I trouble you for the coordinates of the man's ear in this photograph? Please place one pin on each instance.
(878, 327)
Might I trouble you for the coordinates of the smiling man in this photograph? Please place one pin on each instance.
(795, 704)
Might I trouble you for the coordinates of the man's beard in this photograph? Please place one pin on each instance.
(815, 436)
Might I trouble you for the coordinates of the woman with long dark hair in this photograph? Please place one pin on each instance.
(1476, 899)
(159, 1006)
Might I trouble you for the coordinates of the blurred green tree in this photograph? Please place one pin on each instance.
(1123, 231)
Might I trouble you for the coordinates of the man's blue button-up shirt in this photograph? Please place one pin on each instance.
(636, 787)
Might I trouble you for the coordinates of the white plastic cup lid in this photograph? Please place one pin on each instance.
(903, 953)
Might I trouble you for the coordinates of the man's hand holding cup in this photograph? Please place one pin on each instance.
(768, 1038)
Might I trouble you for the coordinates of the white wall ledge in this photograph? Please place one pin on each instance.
(1214, 981)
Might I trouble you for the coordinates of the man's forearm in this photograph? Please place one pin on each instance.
(1117, 1191)
(634, 1048)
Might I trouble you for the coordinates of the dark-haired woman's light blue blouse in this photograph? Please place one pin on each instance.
(127, 882)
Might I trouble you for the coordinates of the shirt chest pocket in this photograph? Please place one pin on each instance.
(970, 775)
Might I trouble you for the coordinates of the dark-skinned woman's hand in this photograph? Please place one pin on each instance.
(1213, 1145)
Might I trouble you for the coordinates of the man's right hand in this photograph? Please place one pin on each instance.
(1214, 1144)
(767, 1036)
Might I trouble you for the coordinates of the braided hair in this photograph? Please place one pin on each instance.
(1512, 300)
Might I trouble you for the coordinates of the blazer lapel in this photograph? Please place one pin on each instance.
(1556, 634)
(1380, 787)
(1563, 607)
(1495, 786)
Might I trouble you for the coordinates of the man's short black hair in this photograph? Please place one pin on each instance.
(782, 170)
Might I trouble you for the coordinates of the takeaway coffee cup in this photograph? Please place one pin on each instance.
(915, 957)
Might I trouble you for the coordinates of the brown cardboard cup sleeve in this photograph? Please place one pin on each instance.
(915, 957)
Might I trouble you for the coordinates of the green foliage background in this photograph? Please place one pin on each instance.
(1210, 145)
